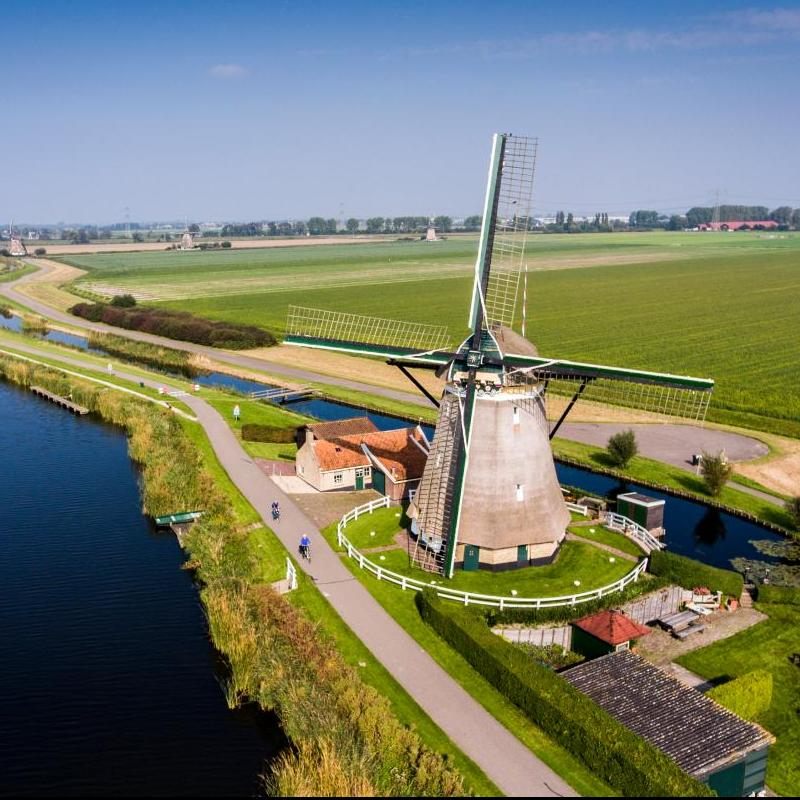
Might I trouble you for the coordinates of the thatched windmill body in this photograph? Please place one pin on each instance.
(489, 496)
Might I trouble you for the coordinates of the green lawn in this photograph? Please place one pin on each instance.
(596, 533)
(384, 523)
(663, 282)
(767, 645)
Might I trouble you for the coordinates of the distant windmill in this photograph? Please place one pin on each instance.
(16, 246)
(187, 240)
(489, 495)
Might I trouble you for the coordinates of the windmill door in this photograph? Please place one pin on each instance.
(378, 481)
(471, 557)
(359, 479)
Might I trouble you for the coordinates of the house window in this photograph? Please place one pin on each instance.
(367, 471)
(520, 493)
(516, 416)
(337, 478)
(301, 469)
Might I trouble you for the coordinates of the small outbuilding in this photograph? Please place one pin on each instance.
(707, 741)
(605, 632)
(641, 508)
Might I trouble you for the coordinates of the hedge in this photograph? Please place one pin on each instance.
(748, 695)
(176, 325)
(613, 752)
(784, 595)
(268, 433)
(535, 616)
(690, 574)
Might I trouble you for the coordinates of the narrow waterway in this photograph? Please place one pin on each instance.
(108, 682)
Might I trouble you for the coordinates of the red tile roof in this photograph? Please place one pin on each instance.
(612, 627)
(342, 427)
(395, 450)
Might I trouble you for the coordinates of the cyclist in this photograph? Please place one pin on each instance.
(305, 546)
(276, 510)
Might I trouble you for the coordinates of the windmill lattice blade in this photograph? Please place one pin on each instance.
(651, 397)
(337, 326)
(511, 228)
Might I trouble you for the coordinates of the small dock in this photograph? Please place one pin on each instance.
(179, 523)
(59, 401)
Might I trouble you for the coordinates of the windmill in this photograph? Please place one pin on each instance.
(489, 495)
(16, 246)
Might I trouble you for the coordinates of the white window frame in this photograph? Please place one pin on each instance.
(338, 477)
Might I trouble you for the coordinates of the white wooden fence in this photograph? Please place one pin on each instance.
(469, 598)
(633, 530)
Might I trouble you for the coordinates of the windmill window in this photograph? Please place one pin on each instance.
(520, 493)
(516, 416)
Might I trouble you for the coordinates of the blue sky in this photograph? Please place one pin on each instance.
(253, 110)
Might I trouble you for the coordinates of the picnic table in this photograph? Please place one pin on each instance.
(678, 620)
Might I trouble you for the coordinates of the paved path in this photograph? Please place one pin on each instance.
(504, 759)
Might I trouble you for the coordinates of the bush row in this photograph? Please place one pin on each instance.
(268, 433)
(690, 574)
(748, 695)
(785, 595)
(346, 738)
(149, 355)
(176, 325)
(535, 616)
(608, 748)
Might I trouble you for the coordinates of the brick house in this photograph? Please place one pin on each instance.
(353, 454)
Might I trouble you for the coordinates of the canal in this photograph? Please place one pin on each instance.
(109, 683)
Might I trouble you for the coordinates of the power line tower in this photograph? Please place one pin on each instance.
(715, 215)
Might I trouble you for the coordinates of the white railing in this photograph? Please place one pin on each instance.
(582, 510)
(291, 574)
(470, 598)
(633, 530)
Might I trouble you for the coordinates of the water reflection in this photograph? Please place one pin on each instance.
(710, 529)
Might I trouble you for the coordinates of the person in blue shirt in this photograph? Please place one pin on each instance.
(305, 546)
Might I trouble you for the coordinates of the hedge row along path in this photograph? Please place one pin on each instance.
(502, 757)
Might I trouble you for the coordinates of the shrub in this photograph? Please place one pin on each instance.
(268, 433)
(608, 748)
(40, 251)
(226, 244)
(124, 301)
(689, 573)
(783, 595)
(793, 507)
(35, 325)
(176, 325)
(748, 695)
(550, 655)
(716, 471)
(622, 447)
(5, 312)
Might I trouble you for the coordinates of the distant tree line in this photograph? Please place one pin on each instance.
(785, 216)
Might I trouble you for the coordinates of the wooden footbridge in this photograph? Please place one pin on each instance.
(282, 394)
(64, 402)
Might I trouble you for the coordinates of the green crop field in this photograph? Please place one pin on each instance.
(725, 306)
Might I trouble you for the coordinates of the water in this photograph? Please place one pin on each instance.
(109, 684)
(693, 529)
(14, 323)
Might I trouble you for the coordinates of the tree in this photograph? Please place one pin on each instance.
(473, 223)
(782, 215)
(443, 223)
(39, 251)
(559, 218)
(330, 226)
(622, 447)
(793, 507)
(194, 228)
(716, 470)
(676, 223)
(796, 219)
(699, 215)
(124, 301)
(352, 225)
(316, 226)
(137, 237)
(375, 225)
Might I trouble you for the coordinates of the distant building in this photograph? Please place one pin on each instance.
(766, 224)
(353, 454)
(705, 740)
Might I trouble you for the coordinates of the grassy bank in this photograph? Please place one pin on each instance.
(657, 473)
(347, 740)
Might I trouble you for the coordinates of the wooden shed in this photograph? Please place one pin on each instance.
(645, 510)
(605, 632)
(707, 741)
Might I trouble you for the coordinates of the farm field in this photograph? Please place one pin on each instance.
(720, 305)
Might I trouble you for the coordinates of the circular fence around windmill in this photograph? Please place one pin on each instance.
(620, 524)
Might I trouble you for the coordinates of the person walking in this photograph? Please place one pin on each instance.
(236, 413)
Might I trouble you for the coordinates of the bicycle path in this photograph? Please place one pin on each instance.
(501, 756)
